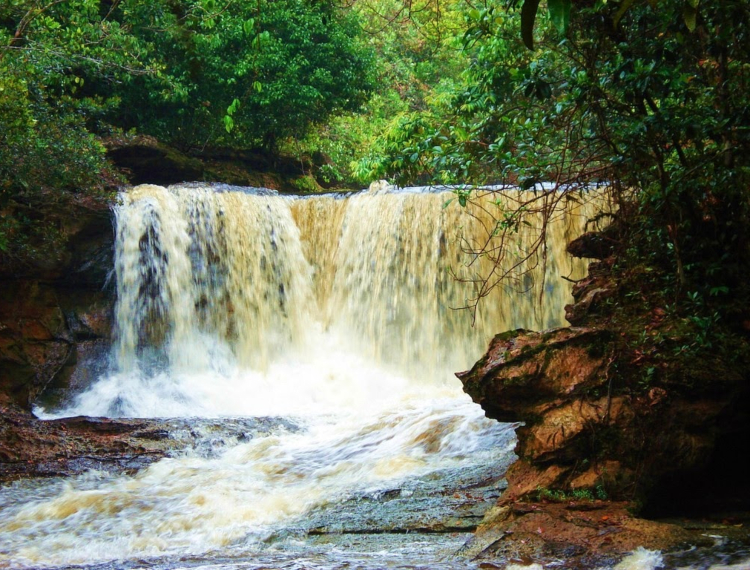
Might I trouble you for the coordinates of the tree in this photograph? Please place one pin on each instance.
(49, 50)
(191, 72)
(245, 73)
(634, 98)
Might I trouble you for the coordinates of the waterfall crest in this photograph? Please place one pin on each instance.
(220, 292)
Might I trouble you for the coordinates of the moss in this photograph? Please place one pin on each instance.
(519, 380)
(509, 335)
(307, 184)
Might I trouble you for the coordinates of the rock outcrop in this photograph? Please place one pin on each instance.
(54, 316)
(144, 160)
(34, 448)
(586, 424)
(608, 414)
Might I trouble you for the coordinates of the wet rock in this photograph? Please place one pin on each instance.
(454, 502)
(53, 318)
(577, 313)
(89, 241)
(603, 417)
(47, 331)
(35, 342)
(526, 374)
(593, 245)
(588, 425)
(30, 447)
(592, 294)
(545, 532)
(146, 160)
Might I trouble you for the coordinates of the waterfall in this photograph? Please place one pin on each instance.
(230, 302)
(197, 268)
(338, 316)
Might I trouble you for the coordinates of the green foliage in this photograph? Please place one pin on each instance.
(658, 112)
(244, 74)
(560, 496)
(47, 54)
(419, 61)
(191, 72)
(307, 184)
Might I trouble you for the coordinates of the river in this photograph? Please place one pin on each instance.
(337, 321)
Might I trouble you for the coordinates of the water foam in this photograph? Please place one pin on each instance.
(231, 303)
(336, 312)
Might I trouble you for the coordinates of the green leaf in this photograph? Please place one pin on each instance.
(462, 200)
(249, 26)
(559, 13)
(690, 15)
(228, 123)
(528, 15)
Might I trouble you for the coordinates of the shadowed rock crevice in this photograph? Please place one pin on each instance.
(51, 321)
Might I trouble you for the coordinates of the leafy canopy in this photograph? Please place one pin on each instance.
(246, 73)
(194, 73)
(654, 101)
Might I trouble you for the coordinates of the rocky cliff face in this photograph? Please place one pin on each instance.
(144, 160)
(57, 314)
(610, 414)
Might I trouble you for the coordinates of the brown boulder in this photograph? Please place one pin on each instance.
(591, 425)
(46, 331)
(34, 448)
(35, 342)
(525, 374)
(584, 533)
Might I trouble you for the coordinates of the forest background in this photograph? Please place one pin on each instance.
(650, 98)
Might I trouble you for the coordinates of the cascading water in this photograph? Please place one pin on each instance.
(338, 314)
(232, 303)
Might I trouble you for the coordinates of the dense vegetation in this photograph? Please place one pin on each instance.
(652, 100)
(193, 73)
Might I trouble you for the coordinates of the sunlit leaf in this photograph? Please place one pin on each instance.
(690, 15)
(559, 13)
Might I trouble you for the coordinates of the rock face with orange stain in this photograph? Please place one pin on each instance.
(589, 424)
(560, 384)
(58, 314)
(585, 534)
(598, 423)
